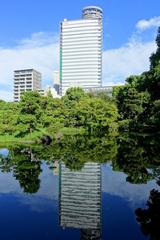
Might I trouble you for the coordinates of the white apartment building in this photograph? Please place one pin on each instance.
(81, 51)
(26, 80)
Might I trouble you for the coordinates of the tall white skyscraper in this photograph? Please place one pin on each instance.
(26, 80)
(81, 51)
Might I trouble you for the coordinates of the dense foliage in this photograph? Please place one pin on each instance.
(77, 110)
(8, 117)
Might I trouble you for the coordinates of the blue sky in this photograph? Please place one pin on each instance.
(29, 36)
(19, 19)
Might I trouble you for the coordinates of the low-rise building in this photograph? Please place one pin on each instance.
(26, 80)
(49, 89)
(107, 89)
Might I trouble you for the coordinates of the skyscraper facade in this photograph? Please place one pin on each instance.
(81, 50)
(26, 80)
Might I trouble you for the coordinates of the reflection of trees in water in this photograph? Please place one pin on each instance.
(156, 172)
(27, 173)
(90, 234)
(26, 169)
(149, 218)
(136, 155)
(76, 150)
(5, 164)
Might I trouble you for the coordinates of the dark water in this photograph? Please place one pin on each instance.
(47, 199)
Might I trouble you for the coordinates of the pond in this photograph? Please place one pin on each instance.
(52, 192)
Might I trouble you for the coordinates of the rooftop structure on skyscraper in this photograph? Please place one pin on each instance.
(92, 12)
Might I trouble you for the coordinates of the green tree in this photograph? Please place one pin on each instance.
(27, 123)
(95, 115)
(73, 94)
(29, 113)
(30, 103)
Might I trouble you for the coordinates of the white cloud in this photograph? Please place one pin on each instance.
(5, 94)
(41, 52)
(150, 23)
(115, 184)
(39, 39)
(133, 58)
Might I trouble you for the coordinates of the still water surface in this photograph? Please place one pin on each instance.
(40, 199)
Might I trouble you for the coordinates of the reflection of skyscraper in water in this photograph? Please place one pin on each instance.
(56, 168)
(80, 200)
